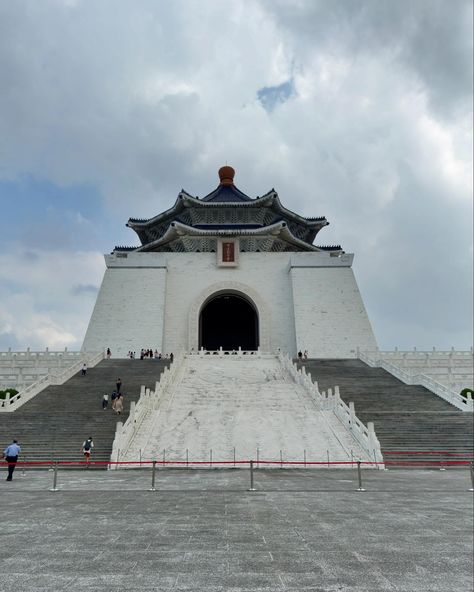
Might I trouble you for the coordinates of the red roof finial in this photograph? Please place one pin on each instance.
(226, 175)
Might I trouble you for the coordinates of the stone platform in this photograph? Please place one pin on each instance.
(202, 531)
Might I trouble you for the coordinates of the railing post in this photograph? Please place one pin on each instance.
(55, 478)
(187, 457)
(153, 472)
(352, 413)
(252, 488)
(472, 476)
(359, 475)
(441, 467)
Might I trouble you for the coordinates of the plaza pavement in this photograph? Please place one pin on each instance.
(302, 530)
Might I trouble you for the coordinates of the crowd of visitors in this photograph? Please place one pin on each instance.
(150, 355)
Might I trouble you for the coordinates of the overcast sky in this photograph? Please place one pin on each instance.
(360, 111)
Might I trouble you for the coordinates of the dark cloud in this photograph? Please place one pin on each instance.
(430, 39)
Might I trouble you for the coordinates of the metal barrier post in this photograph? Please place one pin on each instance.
(359, 474)
(472, 477)
(281, 459)
(187, 457)
(304, 454)
(153, 472)
(210, 457)
(252, 488)
(55, 478)
(327, 451)
(140, 457)
(23, 469)
(234, 457)
(441, 468)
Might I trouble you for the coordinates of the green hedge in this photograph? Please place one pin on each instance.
(8, 391)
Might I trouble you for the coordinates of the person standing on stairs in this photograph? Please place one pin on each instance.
(118, 385)
(109, 353)
(87, 447)
(105, 402)
(119, 404)
(10, 454)
(84, 369)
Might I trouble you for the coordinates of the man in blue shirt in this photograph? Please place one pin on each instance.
(10, 454)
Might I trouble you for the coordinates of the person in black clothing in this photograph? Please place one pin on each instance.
(118, 385)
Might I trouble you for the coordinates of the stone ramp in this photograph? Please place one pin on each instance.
(54, 424)
(222, 403)
(406, 417)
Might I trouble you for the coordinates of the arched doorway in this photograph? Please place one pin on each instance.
(230, 321)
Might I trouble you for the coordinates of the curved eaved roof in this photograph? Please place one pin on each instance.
(196, 214)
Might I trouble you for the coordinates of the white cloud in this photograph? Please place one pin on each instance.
(42, 304)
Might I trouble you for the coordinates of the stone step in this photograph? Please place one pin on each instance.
(405, 417)
(57, 420)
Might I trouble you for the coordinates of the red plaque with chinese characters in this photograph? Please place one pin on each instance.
(228, 252)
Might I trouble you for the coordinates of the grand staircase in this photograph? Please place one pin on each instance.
(54, 424)
(406, 418)
(255, 405)
(247, 404)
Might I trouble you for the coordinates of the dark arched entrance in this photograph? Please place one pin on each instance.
(229, 321)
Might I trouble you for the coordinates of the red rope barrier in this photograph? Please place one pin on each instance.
(239, 462)
(427, 452)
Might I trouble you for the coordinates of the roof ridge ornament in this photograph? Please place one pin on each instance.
(226, 175)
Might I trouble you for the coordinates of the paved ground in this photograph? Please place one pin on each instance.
(411, 531)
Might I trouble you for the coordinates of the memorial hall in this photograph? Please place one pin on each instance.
(234, 272)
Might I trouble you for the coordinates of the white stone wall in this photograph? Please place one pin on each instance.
(154, 300)
(330, 317)
(263, 277)
(129, 310)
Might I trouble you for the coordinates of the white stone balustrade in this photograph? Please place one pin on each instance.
(444, 373)
(149, 400)
(20, 369)
(57, 377)
(365, 436)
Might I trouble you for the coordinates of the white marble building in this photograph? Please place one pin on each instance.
(229, 271)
